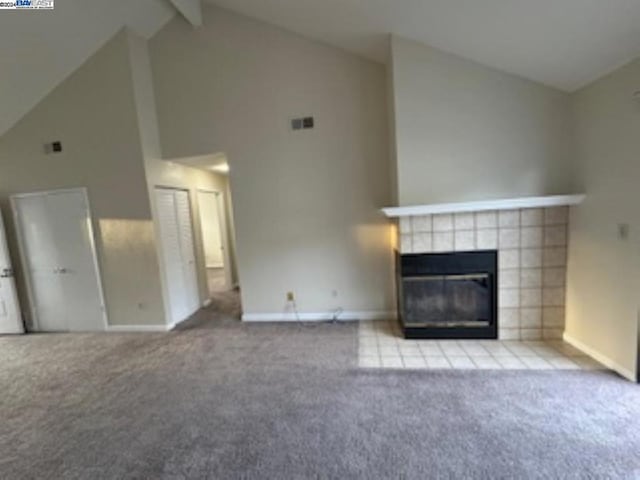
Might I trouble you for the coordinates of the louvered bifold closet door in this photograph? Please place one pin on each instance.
(185, 230)
(176, 232)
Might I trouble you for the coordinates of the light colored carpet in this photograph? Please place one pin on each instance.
(219, 399)
(216, 280)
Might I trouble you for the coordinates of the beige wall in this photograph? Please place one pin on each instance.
(93, 114)
(305, 203)
(469, 132)
(604, 270)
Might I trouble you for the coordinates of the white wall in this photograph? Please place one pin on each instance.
(469, 132)
(305, 203)
(93, 113)
(604, 270)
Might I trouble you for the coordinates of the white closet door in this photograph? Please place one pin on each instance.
(77, 267)
(174, 218)
(10, 318)
(57, 248)
(185, 227)
(41, 258)
(171, 256)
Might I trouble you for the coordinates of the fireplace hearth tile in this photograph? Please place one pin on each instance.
(487, 239)
(531, 237)
(405, 224)
(465, 354)
(392, 362)
(531, 318)
(509, 317)
(437, 362)
(531, 278)
(556, 215)
(487, 219)
(509, 278)
(509, 298)
(443, 223)
(508, 218)
(486, 363)
(508, 259)
(422, 223)
(422, 243)
(554, 277)
(553, 297)
(531, 258)
(555, 257)
(414, 362)
(536, 363)
(406, 243)
(509, 333)
(555, 236)
(462, 363)
(464, 241)
(509, 238)
(530, 297)
(530, 333)
(443, 241)
(511, 363)
(464, 221)
(531, 217)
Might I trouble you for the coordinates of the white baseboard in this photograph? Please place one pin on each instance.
(603, 359)
(318, 316)
(138, 328)
(206, 303)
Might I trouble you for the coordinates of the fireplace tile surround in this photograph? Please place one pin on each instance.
(532, 259)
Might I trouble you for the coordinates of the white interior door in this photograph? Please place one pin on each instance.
(10, 318)
(178, 254)
(211, 229)
(56, 242)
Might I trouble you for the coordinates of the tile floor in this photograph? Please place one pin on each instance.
(380, 345)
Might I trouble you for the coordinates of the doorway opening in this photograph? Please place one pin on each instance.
(215, 241)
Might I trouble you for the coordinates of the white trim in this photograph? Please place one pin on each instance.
(603, 359)
(23, 258)
(138, 328)
(507, 204)
(318, 316)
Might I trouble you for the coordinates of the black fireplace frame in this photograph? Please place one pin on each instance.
(450, 263)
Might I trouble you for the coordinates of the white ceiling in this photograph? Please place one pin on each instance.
(39, 49)
(216, 162)
(562, 43)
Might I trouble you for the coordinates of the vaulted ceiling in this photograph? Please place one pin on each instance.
(39, 49)
(562, 43)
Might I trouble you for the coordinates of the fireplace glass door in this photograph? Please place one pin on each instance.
(447, 300)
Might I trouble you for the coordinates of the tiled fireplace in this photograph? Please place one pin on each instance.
(532, 257)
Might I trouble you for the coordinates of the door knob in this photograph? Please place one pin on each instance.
(6, 273)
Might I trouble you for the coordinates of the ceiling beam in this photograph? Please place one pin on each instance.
(191, 10)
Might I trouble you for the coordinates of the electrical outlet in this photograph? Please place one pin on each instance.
(290, 297)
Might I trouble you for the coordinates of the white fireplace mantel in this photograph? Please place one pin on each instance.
(483, 205)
